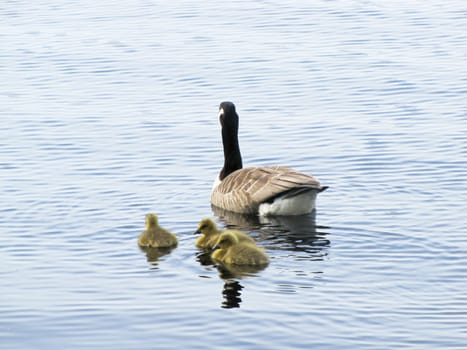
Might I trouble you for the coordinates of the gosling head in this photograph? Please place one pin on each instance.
(226, 240)
(207, 227)
(151, 221)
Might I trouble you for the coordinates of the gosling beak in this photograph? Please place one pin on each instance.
(216, 246)
(198, 231)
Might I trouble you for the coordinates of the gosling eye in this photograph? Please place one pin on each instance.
(202, 227)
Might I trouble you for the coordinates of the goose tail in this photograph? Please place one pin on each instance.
(323, 188)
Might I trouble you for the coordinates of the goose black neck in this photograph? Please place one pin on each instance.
(232, 156)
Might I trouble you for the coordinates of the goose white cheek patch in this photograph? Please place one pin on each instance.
(221, 112)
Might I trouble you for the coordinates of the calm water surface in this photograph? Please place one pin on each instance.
(109, 111)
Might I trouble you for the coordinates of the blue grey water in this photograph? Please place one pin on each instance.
(109, 112)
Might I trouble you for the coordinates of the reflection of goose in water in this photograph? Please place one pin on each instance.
(232, 288)
(231, 293)
(296, 233)
(204, 257)
(288, 233)
(229, 271)
(153, 254)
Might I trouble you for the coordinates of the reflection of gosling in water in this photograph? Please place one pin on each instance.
(230, 250)
(210, 234)
(155, 236)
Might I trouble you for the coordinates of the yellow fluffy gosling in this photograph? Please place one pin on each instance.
(210, 234)
(230, 250)
(155, 236)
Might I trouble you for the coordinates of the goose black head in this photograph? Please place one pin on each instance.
(228, 117)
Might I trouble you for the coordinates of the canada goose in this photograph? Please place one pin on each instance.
(230, 250)
(210, 234)
(155, 236)
(272, 190)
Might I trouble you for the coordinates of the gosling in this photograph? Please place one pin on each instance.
(210, 234)
(155, 236)
(230, 250)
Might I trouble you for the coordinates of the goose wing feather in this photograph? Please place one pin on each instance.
(245, 189)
